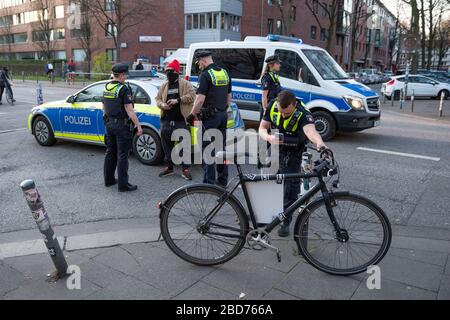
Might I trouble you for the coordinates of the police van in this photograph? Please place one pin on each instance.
(337, 102)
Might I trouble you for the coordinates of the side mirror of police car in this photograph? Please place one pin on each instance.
(70, 99)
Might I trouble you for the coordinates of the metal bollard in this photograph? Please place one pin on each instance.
(39, 96)
(43, 222)
(412, 102)
(392, 98)
(402, 96)
(23, 76)
(441, 104)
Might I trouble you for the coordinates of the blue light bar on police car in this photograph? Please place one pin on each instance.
(276, 37)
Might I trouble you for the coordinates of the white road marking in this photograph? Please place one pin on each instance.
(401, 154)
(13, 130)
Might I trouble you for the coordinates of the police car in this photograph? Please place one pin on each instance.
(80, 118)
(337, 102)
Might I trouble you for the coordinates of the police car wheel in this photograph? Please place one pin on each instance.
(43, 132)
(325, 124)
(147, 148)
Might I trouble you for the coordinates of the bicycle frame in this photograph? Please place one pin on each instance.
(244, 178)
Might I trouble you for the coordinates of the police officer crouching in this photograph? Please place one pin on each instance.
(210, 106)
(119, 117)
(270, 81)
(295, 125)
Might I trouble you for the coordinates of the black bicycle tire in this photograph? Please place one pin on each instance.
(387, 237)
(234, 203)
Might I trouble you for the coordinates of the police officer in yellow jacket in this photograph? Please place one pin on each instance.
(118, 118)
(295, 125)
(270, 81)
(210, 106)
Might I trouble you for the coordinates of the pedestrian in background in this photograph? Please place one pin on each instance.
(175, 98)
(5, 84)
(270, 81)
(71, 68)
(64, 70)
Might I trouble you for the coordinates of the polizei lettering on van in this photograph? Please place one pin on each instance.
(84, 121)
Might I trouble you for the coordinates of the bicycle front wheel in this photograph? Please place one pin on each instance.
(364, 240)
(190, 237)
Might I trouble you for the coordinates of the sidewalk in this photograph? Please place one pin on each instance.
(416, 267)
(422, 108)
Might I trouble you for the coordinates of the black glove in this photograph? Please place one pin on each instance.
(190, 119)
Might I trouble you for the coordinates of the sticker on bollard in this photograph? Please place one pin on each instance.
(42, 220)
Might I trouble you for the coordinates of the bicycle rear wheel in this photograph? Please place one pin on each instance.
(365, 228)
(189, 237)
(9, 97)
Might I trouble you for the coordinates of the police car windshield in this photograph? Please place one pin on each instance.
(325, 65)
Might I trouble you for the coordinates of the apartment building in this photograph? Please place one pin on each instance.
(174, 24)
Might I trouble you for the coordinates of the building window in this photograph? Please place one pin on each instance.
(269, 26)
(59, 55)
(313, 33)
(110, 30)
(202, 21)
(279, 27)
(79, 55)
(58, 12)
(110, 5)
(315, 6)
(195, 21)
(112, 54)
(322, 34)
(189, 22)
(58, 34)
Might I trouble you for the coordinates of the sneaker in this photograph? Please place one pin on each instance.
(283, 231)
(186, 174)
(167, 172)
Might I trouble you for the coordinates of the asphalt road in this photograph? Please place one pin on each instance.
(412, 191)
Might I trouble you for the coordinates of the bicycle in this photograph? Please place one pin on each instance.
(9, 95)
(339, 233)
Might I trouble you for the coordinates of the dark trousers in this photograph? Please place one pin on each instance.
(167, 128)
(290, 162)
(217, 121)
(118, 143)
(1, 92)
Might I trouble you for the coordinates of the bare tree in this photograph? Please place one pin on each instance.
(414, 30)
(443, 39)
(115, 17)
(286, 8)
(83, 31)
(331, 11)
(44, 27)
(359, 15)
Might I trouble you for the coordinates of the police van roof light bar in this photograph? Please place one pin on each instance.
(276, 37)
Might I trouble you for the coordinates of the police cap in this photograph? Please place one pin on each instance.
(120, 68)
(272, 59)
(202, 54)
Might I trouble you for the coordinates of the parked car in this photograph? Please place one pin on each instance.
(418, 85)
(370, 74)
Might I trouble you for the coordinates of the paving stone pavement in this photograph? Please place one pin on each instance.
(152, 271)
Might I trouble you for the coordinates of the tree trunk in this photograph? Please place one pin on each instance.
(423, 33)
(415, 30)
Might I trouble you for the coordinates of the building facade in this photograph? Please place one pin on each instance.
(173, 24)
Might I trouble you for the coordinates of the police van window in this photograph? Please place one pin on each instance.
(92, 94)
(293, 67)
(139, 95)
(325, 65)
(244, 64)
